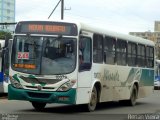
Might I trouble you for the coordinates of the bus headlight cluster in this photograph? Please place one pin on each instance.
(66, 86)
(15, 83)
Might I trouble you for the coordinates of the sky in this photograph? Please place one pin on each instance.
(122, 16)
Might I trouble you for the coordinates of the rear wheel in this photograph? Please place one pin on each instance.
(38, 106)
(133, 98)
(93, 100)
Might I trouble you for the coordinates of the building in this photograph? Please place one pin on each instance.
(7, 14)
(154, 36)
(157, 26)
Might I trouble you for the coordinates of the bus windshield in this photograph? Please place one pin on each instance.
(44, 55)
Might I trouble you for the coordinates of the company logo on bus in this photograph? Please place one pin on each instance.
(39, 87)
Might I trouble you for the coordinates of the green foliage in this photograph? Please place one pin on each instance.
(4, 34)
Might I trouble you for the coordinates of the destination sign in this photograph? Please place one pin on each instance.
(46, 27)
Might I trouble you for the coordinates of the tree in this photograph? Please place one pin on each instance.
(4, 34)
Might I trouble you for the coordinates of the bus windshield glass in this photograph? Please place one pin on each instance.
(44, 55)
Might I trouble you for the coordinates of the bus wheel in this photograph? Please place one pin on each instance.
(38, 106)
(132, 100)
(93, 100)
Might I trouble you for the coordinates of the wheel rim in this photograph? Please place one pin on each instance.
(134, 96)
(93, 100)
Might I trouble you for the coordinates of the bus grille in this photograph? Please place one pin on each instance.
(43, 88)
(40, 81)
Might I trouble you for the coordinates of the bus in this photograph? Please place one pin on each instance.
(5, 47)
(157, 75)
(76, 63)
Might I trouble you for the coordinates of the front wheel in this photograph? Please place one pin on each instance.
(91, 106)
(38, 106)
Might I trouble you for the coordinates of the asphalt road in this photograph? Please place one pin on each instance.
(146, 108)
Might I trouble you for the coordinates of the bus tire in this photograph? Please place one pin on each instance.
(133, 97)
(38, 106)
(91, 106)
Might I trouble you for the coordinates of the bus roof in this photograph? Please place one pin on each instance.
(100, 30)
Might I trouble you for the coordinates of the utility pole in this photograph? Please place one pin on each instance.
(54, 9)
(62, 9)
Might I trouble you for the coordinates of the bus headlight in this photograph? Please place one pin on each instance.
(15, 83)
(66, 86)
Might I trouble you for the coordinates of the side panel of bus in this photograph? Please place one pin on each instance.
(117, 81)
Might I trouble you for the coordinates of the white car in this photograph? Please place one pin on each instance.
(157, 83)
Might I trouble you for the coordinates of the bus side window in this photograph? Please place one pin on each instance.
(150, 57)
(121, 52)
(109, 50)
(98, 48)
(141, 55)
(85, 53)
(131, 54)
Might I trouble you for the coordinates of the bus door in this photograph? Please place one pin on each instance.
(85, 63)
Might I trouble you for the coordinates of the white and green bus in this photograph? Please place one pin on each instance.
(75, 63)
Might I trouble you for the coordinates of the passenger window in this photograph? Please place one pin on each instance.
(121, 52)
(109, 50)
(98, 48)
(149, 57)
(132, 50)
(141, 56)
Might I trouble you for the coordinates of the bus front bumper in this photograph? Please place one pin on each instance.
(67, 97)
